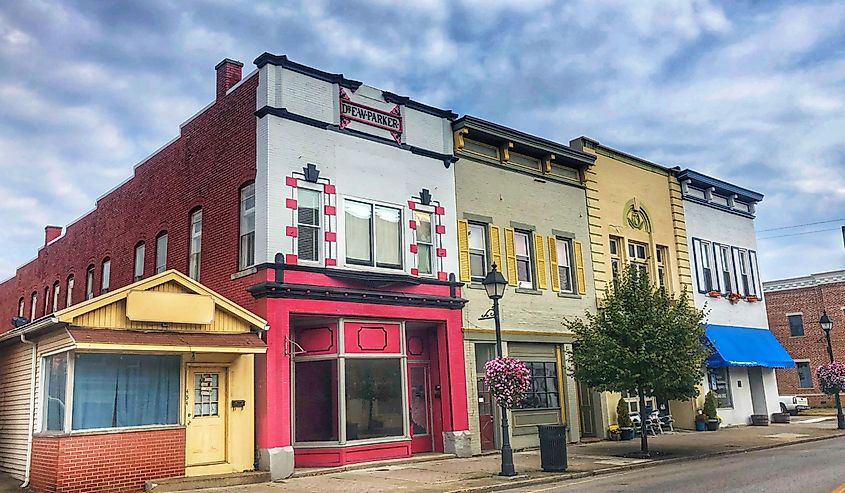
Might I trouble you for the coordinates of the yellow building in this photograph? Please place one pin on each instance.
(636, 215)
(149, 381)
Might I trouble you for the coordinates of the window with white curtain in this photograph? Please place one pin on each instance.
(373, 234)
(89, 283)
(477, 236)
(195, 253)
(161, 253)
(20, 307)
(140, 253)
(56, 288)
(105, 276)
(33, 306)
(524, 269)
(247, 227)
(425, 242)
(564, 264)
(69, 292)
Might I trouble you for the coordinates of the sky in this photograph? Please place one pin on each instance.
(750, 92)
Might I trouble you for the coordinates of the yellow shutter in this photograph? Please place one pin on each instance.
(579, 268)
(510, 253)
(540, 253)
(495, 248)
(553, 264)
(463, 250)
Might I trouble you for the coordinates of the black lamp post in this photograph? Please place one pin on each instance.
(495, 283)
(826, 324)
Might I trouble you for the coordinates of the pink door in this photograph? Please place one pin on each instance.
(419, 398)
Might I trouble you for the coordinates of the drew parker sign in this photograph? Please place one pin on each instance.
(386, 120)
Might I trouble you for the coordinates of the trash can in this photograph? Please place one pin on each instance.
(552, 447)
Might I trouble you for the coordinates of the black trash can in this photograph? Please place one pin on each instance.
(552, 447)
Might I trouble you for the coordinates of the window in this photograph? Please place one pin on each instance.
(373, 235)
(638, 256)
(46, 301)
(195, 253)
(706, 269)
(425, 242)
(543, 393)
(796, 325)
(161, 253)
(21, 307)
(206, 394)
(564, 265)
(308, 223)
(140, 252)
(805, 376)
(105, 276)
(478, 251)
(615, 254)
(727, 269)
(662, 266)
(89, 283)
(56, 288)
(633, 400)
(316, 417)
(69, 292)
(748, 287)
(524, 269)
(374, 407)
(33, 306)
(118, 390)
(55, 392)
(247, 236)
(720, 383)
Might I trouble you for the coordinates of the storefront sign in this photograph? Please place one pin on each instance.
(386, 120)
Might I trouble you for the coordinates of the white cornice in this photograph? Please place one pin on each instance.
(805, 281)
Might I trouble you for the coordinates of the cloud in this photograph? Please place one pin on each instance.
(749, 92)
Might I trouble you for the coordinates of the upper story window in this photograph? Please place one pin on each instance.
(105, 276)
(21, 307)
(662, 266)
(89, 283)
(33, 307)
(56, 289)
(477, 234)
(161, 253)
(425, 242)
(796, 324)
(69, 292)
(638, 256)
(706, 255)
(805, 374)
(745, 276)
(563, 250)
(247, 227)
(615, 255)
(140, 253)
(373, 234)
(524, 269)
(308, 222)
(727, 268)
(195, 252)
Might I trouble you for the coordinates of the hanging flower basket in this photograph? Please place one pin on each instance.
(714, 294)
(508, 379)
(831, 378)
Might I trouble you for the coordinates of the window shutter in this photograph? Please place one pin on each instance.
(495, 247)
(579, 268)
(553, 264)
(463, 250)
(699, 267)
(540, 254)
(510, 253)
(738, 271)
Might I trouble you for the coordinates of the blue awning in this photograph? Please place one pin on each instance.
(745, 346)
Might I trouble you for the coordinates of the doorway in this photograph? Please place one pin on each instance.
(205, 429)
(758, 391)
(586, 411)
(486, 410)
(424, 399)
(419, 384)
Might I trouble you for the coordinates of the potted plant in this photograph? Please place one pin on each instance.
(700, 421)
(734, 297)
(714, 294)
(710, 410)
(613, 433)
(626, 427)
(751, 298)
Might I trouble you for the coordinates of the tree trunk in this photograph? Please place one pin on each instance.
(643, 418)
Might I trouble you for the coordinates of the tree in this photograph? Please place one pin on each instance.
(642, 340)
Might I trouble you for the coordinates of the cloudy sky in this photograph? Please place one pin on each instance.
(752, 92)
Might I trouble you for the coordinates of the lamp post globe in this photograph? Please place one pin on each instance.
(494, 283)
(826, 324)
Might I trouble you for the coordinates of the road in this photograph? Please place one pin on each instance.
(817, 467)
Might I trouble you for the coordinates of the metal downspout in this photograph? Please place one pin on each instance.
(31, 410)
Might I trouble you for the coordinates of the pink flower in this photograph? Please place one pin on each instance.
(509, 379)
(831, 378)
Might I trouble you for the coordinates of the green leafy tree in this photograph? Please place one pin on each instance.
(641, 339)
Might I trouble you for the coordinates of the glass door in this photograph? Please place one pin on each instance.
(419, 407)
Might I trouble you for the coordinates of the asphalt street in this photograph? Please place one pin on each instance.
(817, 467)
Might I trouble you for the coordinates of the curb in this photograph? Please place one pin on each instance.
(610, 470)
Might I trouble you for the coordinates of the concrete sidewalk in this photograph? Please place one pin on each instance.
(479, 474)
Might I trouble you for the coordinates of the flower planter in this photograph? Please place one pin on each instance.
(700, 426)
(751, 299)
(714, 294)
(712, 424)
(626, 433)
(759, 420)
(780, 418)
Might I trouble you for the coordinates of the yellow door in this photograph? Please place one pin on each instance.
(206, 416)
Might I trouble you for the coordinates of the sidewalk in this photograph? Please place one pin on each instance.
(478, 474)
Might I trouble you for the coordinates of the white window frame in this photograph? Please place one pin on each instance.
(45, 388)
(319, 226)
(105, 275)
(56, 290)
(69, 291)
(640, 262)
(661, 253)
(706, 255)
(21, 307)
(564, 250)
(483, 229)
(529, 283)
(246, 237)
(615, 258)
(432, 245)
(140, 254)
(89, 282)
(745, 275)
(161, 253)
(373, 238)
(33, 305)
(726, 259)
(195, 256)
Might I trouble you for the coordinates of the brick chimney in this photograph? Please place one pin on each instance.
(51, 233)
(228, 74)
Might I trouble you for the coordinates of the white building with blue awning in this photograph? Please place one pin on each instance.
(727, 285)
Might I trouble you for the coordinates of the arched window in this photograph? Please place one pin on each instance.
(21, 306)
(140, 253)
(33, 306)
(46, 301)
(89, 283)
(69, 291)
(195, 245)
(105, 276)
(56, 288)
(247, 227)
(161, 252)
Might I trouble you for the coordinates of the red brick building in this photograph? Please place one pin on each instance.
(794, 307)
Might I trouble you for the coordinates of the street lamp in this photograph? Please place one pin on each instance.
(826, 324)
(495, 283)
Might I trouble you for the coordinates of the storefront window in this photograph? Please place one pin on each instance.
(56, 369)
(719, 381)
(543, 393)
(373, 398)
(316, 401)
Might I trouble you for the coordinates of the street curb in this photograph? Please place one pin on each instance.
(610, 470)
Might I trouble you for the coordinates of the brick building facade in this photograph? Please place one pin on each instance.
(794, 307)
